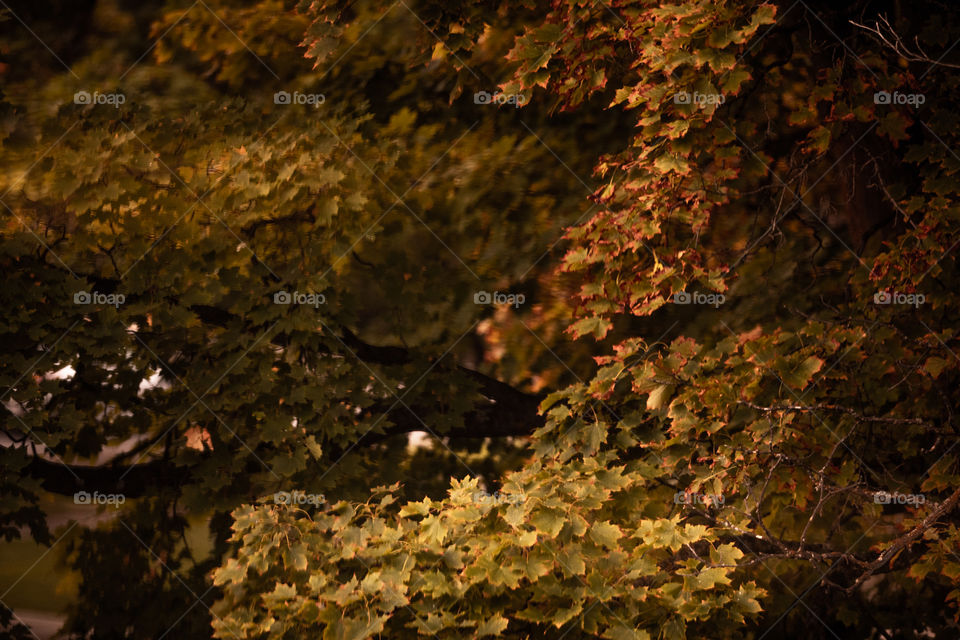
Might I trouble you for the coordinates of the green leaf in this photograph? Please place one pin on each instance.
(492, 626)
(800, 376)
(670, 162)
(232, 572)
(281, 592)
(605, 534)
(621, 632)
(434, 529)
(934, 366)
(527, 538)
(416, 508)
(707, 579)
(349, 628)
(548, 521)
(295, 557)
(571, 560)
(725, 554)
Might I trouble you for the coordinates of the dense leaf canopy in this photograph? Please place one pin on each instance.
(561, 319)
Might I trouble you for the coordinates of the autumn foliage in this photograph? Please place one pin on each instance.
(726, 410)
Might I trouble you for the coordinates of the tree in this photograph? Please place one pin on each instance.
(278, 238)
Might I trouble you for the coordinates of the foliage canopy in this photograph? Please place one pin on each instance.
(268, 263)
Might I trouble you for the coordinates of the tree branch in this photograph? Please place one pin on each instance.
(500, 411)
(490, 420)
(824, 407)
(886, 34)
(903, 541)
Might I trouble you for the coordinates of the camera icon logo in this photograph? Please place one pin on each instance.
(881, 97)
(681, 297)
(881, 497)
(882, 297)
(281, 497)
(282, 297)
(482, 297)
(81, 297)
(482, 97)
(281, 97)
(82, 97)
(681, 98)
(82, 497)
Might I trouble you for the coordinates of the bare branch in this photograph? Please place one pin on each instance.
(825, 407)
(886, 34)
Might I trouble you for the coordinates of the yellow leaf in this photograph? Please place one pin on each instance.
(659, 396)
